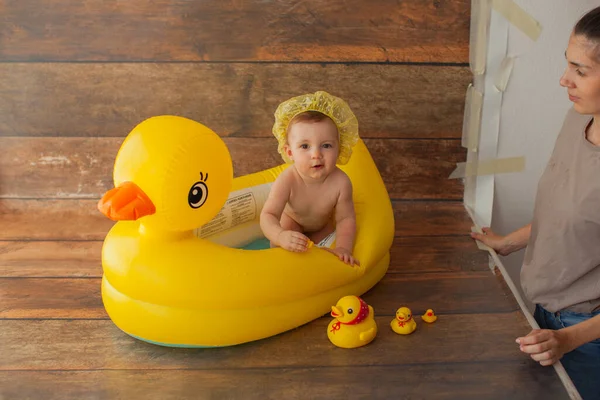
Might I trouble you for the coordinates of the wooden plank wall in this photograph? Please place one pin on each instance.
(75, 77)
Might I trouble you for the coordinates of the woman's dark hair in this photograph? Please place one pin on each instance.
(589, 27)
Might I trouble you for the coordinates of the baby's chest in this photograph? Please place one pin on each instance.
(312, 202)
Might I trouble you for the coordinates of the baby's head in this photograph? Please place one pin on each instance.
(312, 125)
(316, 113)
(312, 144)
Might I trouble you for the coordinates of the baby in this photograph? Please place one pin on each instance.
(312, 198)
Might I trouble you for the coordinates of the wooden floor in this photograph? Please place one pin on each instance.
(57, 342)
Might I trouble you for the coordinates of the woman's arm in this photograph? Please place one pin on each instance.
(504, 245)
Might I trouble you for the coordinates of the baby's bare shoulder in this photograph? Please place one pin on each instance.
(340, 180)
(282, 186)
(285, 178)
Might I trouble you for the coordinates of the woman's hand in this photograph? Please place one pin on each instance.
(490, 239)
(504, 245)
(545, 346)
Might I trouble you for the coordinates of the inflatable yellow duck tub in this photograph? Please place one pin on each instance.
(175, 272)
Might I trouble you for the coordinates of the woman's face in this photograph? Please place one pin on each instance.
(582, 76)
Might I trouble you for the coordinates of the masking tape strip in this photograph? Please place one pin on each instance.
(478, 38)
(489, 167)
(472, 118)
(504, 72)
(483, 187)
(518, 17)
(558, 367)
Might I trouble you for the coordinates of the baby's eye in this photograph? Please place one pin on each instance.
(327, 146)
(579, 72)
(304, 146)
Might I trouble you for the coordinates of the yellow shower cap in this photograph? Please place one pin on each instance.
(334, 107)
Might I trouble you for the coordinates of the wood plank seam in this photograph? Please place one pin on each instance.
(508, 361)
(217, 62)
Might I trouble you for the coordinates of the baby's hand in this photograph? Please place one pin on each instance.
(293, 241)
(345, 255)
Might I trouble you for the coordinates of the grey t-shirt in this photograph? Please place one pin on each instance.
(562, 262)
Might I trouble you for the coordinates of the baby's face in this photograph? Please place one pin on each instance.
(314, 148)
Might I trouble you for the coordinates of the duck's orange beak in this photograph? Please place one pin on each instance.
(126, 202)
(335, 312)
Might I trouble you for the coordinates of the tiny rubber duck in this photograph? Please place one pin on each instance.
(353, 324)
(429, 316)
(403, 324)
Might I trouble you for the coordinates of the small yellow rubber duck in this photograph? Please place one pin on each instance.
(429, 316)
(353, 324)
(403, 324)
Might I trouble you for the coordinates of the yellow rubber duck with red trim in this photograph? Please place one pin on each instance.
(429, 316)
(353, 324)
(403, 324)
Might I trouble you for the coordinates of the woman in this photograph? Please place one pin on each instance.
(561, 269)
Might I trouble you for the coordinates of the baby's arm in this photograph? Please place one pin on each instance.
(270, 217)
(345, 222)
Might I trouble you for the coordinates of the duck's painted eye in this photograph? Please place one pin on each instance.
(198, 195)
(350, 311)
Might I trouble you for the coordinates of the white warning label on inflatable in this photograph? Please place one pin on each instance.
(242, 206)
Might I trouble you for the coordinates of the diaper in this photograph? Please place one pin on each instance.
(327, 240)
